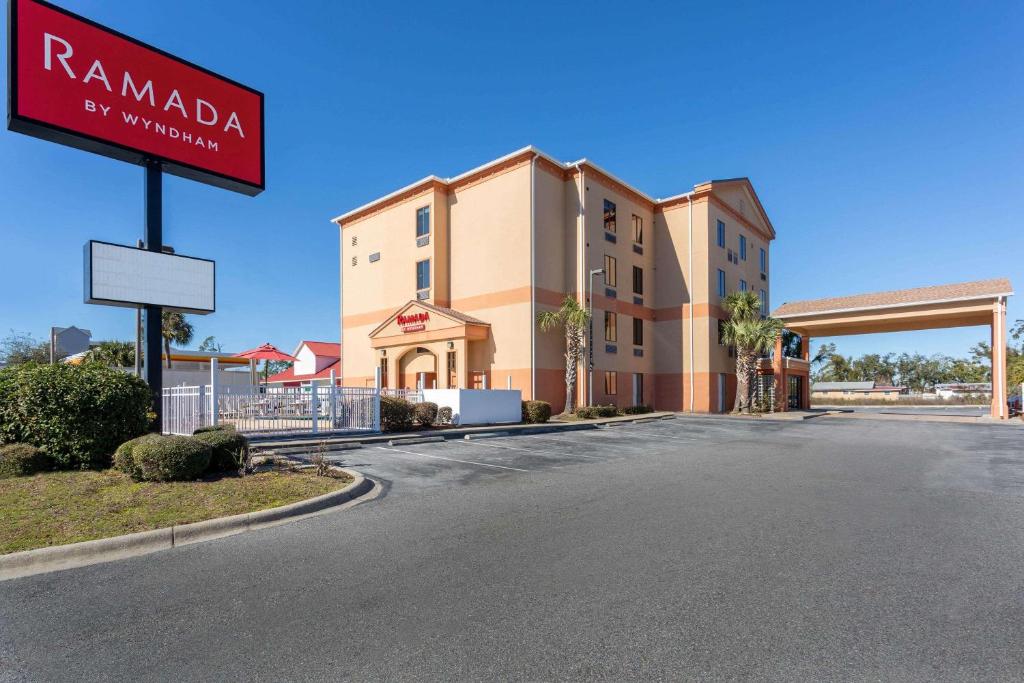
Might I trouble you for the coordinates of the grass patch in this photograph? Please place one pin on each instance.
(55, 508)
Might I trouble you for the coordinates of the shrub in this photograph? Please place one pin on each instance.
(19, 459)
(637, 410)
(78, 414)
(395, 414)
(230, 449)
(170, 458)
(444, 415)
(591, 412)
(425, 413)
(124, 456)
(214, 428)
(536, 411)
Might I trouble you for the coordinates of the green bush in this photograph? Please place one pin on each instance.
(215, 428)
(637, 410)
(169, 458)
(536, 411)
(425, 413)
(591, 412)
(124, 456)
(78, 414)
(396, 414)
(19, 459)
(444, 415)
(229, 448)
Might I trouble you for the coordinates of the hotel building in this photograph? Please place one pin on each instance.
(442, 280)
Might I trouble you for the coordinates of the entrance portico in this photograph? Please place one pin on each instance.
(425, 346)
(958, 305)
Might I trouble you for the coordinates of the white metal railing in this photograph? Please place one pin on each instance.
(294, 410)
(411, 395)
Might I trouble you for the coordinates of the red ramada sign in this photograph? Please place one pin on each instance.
(81, 84)
(413, 322)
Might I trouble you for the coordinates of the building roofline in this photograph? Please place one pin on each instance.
(905, 304)
(536, 152)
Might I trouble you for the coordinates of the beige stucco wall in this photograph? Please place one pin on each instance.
(481, 249)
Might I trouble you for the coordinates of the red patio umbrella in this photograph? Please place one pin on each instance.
(265, 352)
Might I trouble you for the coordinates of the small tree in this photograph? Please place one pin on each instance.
(18, 348)
(752, 336)
(573, 318)
(175, 328)
(115, 354)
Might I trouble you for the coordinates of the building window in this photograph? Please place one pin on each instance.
(611, 277)
(610, 325)
(638, 280)
(422, 275)
(638, 332)
(611, 383)
(743, 248)
(609, 216)
(638, 229)
(721, 282)
(743, 285)
(764, 261)
(721, 234)
(764, 302)
(355, 240)
(423, 221)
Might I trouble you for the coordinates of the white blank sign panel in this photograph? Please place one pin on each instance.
(117, 275)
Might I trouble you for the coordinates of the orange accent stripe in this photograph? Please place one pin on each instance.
(699, 311)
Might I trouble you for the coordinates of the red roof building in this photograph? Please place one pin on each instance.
(316, 361)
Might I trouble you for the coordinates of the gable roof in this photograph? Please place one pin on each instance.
(289, 375)
(962, 291)
(324, 349)
(449, 313)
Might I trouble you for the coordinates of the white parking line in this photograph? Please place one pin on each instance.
(477, 442)
(441, 457)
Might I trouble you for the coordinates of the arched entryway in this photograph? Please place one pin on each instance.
(417, 368)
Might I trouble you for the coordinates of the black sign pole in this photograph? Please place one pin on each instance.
(154, 371)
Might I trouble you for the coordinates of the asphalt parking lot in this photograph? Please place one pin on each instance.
(827, 549)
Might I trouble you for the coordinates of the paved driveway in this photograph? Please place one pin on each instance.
(691, 548)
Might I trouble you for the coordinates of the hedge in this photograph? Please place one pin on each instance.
(229, 448)
(124, 456)
(637, 410)
(396, 414)
(590, 412)
(425, 413)
(536, 411)
(165, 458)
(78, 414)
(20, 459)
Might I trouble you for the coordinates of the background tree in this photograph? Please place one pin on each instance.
(211, 345)
(272, 367)
(752, 336)
(573, 319)
(114, 354)
(17, 348)
(175, 328)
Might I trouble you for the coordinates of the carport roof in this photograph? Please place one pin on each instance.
(963, 291)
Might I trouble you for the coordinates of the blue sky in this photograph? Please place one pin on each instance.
(884, 139)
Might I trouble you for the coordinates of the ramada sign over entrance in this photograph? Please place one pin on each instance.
(81, 84)
(413, 322)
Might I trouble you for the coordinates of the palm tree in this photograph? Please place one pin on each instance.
(175, 328)
(573, 318)
(115, 354)
(752, 335)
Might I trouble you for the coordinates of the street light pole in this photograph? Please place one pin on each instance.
(590, 336)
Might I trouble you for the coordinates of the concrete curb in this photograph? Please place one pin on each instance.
(72, 555)
(484, 435)
(286, 445)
